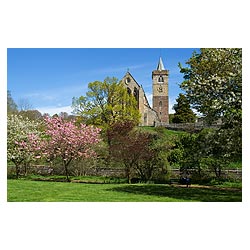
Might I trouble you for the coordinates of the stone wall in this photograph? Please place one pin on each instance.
(148, 116)
(197, 126)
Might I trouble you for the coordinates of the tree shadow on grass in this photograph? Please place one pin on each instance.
(181, 192)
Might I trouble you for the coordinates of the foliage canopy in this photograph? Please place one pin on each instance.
(19, 149)
(11, 105)
(213, 83)
(106, 103)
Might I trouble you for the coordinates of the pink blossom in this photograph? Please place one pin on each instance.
(66, 140)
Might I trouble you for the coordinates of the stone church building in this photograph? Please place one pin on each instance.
(158, 114)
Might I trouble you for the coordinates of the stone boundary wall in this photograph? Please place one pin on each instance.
(120, 172)
(225, 173)
(187, 126)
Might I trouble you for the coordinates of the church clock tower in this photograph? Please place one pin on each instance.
(160, 92)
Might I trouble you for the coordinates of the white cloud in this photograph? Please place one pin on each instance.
(41, 96)
(172, 102)
(117, 69)
(55, 110)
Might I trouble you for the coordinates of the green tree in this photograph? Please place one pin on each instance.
(106, 103)
(141, 152)
(183, 112)
(11, 105)
(213, 85)
(190, 150)
(31, 114)
(208, 150)
(171, 117)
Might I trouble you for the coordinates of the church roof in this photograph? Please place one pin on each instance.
(160, 65)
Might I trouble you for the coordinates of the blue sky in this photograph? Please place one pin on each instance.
(49, 78)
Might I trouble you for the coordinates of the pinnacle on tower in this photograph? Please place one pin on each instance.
(160, 66)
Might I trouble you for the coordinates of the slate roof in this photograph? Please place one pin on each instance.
(160, 66)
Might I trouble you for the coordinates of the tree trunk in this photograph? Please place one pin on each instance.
(17, 171)
(217, 172)
(127, 173)
(66, 170)
(17, 164)
(67, 174)
(26, 164)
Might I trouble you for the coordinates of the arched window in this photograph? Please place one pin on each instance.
(129, 91)
(136, 95)
(160, 79)
(160, 104)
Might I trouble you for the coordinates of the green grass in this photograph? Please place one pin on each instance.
(164, 131)
(235, 165)
(27, 190)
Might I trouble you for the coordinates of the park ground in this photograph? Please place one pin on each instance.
(45, 191)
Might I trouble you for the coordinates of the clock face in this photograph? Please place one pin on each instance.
(160, 89)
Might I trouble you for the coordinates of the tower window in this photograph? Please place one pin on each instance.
(160, 104)
(160, 79)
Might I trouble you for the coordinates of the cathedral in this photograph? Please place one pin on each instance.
(158, 114)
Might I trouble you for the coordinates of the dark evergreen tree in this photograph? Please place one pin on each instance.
(183, 112)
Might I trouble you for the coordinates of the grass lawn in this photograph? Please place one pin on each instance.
(27, 190)
(168, 134)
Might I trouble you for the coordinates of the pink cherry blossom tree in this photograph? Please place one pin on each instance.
(66, 141)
